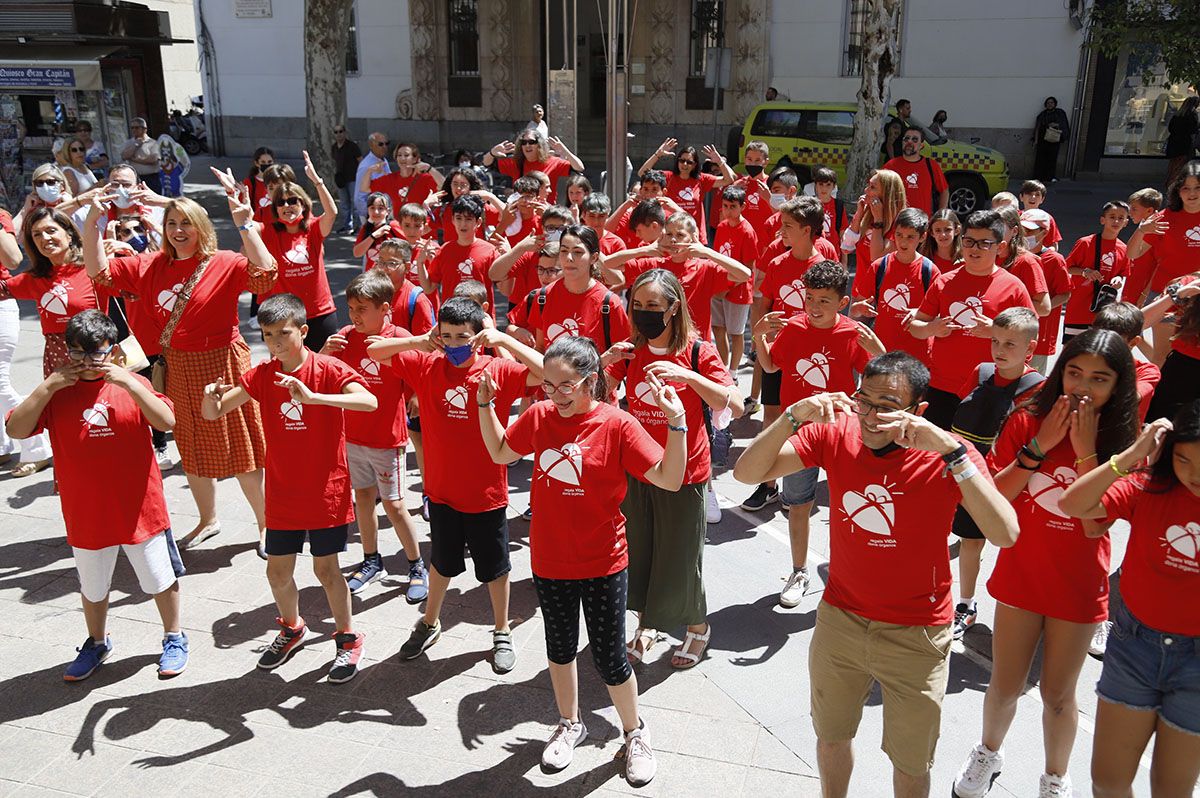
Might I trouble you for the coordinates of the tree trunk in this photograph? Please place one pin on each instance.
(881, 53)
(326, 36)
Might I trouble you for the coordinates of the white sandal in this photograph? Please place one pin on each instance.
(683, 652)
(651, 636)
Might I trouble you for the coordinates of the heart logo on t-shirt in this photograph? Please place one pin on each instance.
(167, 297)
(457, 397)
(792, 294)
(402, 194)
(96, 415)
(1193, 234)
(687, 194)
(814, 370)
(726, 249)
(644, 393)
(298, 254)
(292, 410)
(873, 510)
(828, 224)
(467, 267)
(1047, 489)
(1108, 259)
(897, 297)
(565, 465)
(963, 313)
(911, 179)
(54, 301)
(369, 366)
(1184, 539)
(567, 327)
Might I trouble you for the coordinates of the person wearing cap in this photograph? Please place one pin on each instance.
(141, 152)
(1036, 226)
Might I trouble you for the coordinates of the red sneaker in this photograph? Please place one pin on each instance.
(345, 662)
(286, 643)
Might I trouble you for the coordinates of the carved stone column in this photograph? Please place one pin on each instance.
(422, 101)
(749, 35)
(497, 42)
(660, 62)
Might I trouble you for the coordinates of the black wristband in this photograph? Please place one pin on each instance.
(961, 451)
(1028, 452)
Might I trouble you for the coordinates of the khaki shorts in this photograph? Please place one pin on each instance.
(849, 653)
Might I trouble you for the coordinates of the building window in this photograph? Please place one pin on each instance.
(854, 48)
(1142, 103)
(465, 88)
(352, 43)
(707, 32)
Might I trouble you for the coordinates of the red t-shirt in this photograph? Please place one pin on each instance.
(301, 260)
(1053, 569)
(689, 196)
(67, 291)
(1027, 268)
(815, 360)
(1148, 376)
(769, 245)
(1189, 347)
(783, 283)
(1114, 262)
(1058, 281)
(918, 191)
(553, 167)
(385, 427)
(831, 231)
(520, 229)
(402, 190)
(888, 560)
(701, 279)
(945, 264)
(955, 294)
(582, 314)
(1160, 575)
(6, 224)
(758, 208)
(524, 275)
(211, 318)
(372, 253)
(1178, 249)
(110, 487)
(903, 289)
(491, 215)
(579, 481)
(1141, 272)
(643, 408)
(455, 263)
(459, 472)
(821, 247)
(740, 242)
(308, 481)
(610, 243)
(420, 321)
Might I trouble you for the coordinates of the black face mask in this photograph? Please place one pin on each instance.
(649, 323)
(754, 169)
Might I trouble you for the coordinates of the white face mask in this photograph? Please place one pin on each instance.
(553, 235)
(777, 201)
(1030, 242)
(723, 417)
(121, 197)
(465, 164)
(50, 193)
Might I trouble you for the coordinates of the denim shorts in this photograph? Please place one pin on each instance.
(1148, 670)
(801, 487)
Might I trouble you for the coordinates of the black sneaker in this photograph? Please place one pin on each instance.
(349, 652)
(423, 636)
(763, 495)
(964, 619)
(286, 643)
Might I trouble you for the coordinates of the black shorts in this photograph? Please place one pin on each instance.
(414, 423)
(486, 534)
(772, 381)
(321, 542)
(942, 406)
(964, 525)
(319, 330)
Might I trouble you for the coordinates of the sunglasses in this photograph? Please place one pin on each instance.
(133, 231)
(46, 182)
(339, 130)
(78, 149)
(288, 201)
(526, 142)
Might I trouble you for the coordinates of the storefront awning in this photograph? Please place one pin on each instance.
(53, 68)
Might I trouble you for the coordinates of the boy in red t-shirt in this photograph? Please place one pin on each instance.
(1142, 203)
(837, 218)
(758, 196)
(99, 417)
(1035, 226)
(413, 221)
(411, 307)
(634, 219)
(522, 215)
(1033, 194)
(736, 239)
(375, 442)
(515, 271)
(594, 213)
(1127, 320)
(468, 492)
(468, 258)
(303, 396)
(816, 351)
(1098, 265)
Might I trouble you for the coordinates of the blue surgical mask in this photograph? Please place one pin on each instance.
(50, 193)
(457, 355)
(138, 242)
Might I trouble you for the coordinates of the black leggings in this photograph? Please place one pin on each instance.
(319, 330)
(604, 613)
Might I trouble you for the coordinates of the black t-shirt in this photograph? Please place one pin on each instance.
(345, 162)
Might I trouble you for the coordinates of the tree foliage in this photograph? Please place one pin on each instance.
(1173, 26)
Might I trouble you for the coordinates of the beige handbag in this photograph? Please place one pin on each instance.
(1053, 134)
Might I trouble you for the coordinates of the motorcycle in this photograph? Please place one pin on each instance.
(188, 130)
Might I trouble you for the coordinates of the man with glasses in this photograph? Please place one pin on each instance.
(141, 152)
(894, 483)
(925, 185)
(377, 146)
(957, 313)
(346, 157)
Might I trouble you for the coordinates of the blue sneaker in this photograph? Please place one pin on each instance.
(424, 506)
(174, 658)
(418, 582)
(371, 570)
(91, 654)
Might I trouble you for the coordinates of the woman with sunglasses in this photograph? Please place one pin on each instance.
(534, 152)
(686, 184)
(72, 159)
(50, 190)
(203, 344)
(296, 239)
(584, 450)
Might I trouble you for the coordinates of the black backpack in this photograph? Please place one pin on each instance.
(981, 414)
(605, 311)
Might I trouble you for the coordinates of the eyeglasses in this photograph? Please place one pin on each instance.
(78, 355)
(525, 142)
(863, 407)
(984, 244)
(550, 272)
(392, 264)
(134, 231)
(339, 130)
(288, 201)
(566, 389)
(50, 181)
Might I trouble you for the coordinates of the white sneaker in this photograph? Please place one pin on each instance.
(1100, 639)
(561, 746)
(165, 463)
(712, 507)
(1052, 786)
(640, 765)
(978, 772)
(795, 588)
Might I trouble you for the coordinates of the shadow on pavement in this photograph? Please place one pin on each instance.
(749, 627)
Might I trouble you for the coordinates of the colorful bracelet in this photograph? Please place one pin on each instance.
(792, 419)
(1036, 448)
(1112, 463)
(1084, 459)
